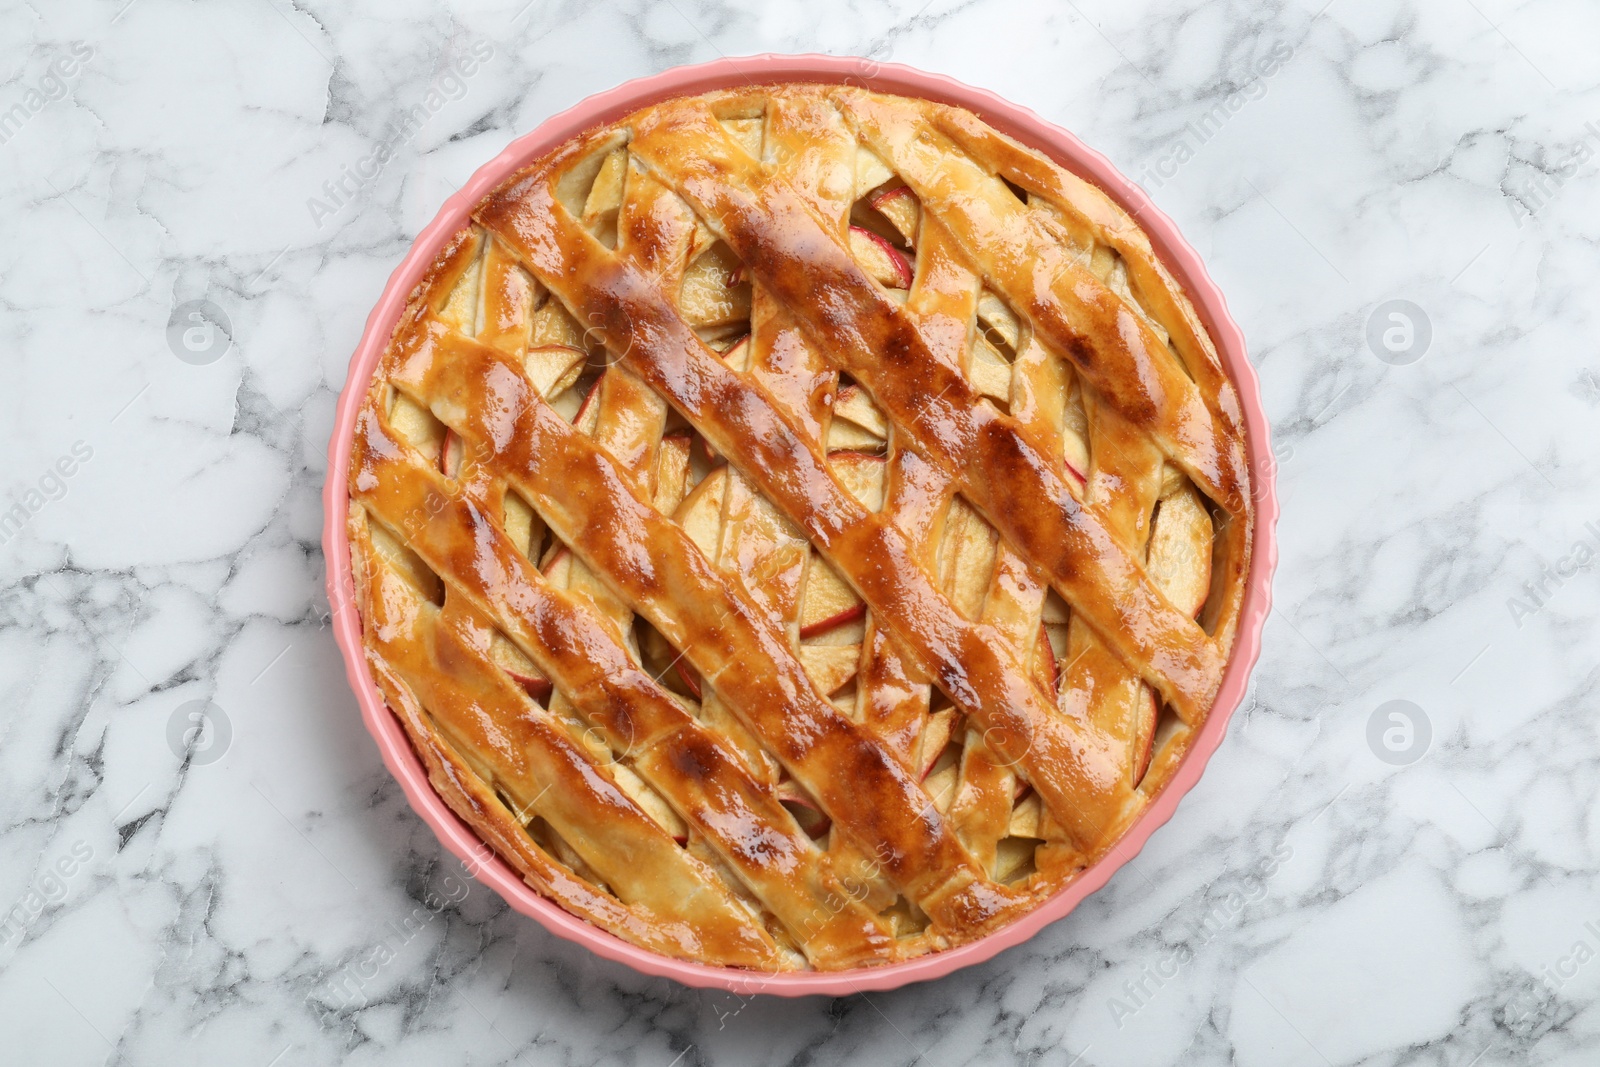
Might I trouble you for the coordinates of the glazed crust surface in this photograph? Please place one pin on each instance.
(799, 527)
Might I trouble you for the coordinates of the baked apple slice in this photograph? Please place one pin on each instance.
(416, 425)
(605, 198)
(1075, 434)
(966, 557)
(829, 605)
(999, 323)
(521, 523)
(1025, 817)
(899, 205)
(989, 371)
(935, 739)
(845, 436)
(535, 685)
(553, 368)
(1056, 612)
(943, 777)
(863, 474)
(1049, 666)
(587, 419)
(857, 424)
(854, 405)
(1180, 549)
(870, 172)
(652, 802)
(557, 566)
(829, 623)
(689, 677)
(737, 355)
(553, 325)
(672, 472)
(1013, 859)
(830, 667)
(450, 453)
(700, 514)
(806, 811)
(522, 670)
(1144, 732)
(706, 299)
(884, 262)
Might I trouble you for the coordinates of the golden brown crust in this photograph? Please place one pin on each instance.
(853, 611)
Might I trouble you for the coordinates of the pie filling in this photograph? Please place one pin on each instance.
(799, 527)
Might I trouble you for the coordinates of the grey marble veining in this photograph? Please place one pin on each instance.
(1355, 881)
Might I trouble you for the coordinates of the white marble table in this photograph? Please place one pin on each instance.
(1340, 889)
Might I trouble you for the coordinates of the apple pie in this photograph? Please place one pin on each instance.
(799, 527)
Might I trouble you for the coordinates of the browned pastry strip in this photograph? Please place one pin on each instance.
(1124, 478)
(736, 648)
(461, 692)
(984, 805)
(969, 660)
(1070, 213)
(995, 461)
(1106, 340)
(1088, 214)
(674, 753)
(896, 698)
(476, 803)
(820, 151)
(896, 689)
(817, 147)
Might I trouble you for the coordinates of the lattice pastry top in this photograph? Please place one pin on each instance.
(798, 526)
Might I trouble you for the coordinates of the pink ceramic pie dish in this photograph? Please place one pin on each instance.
(1008, 118)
